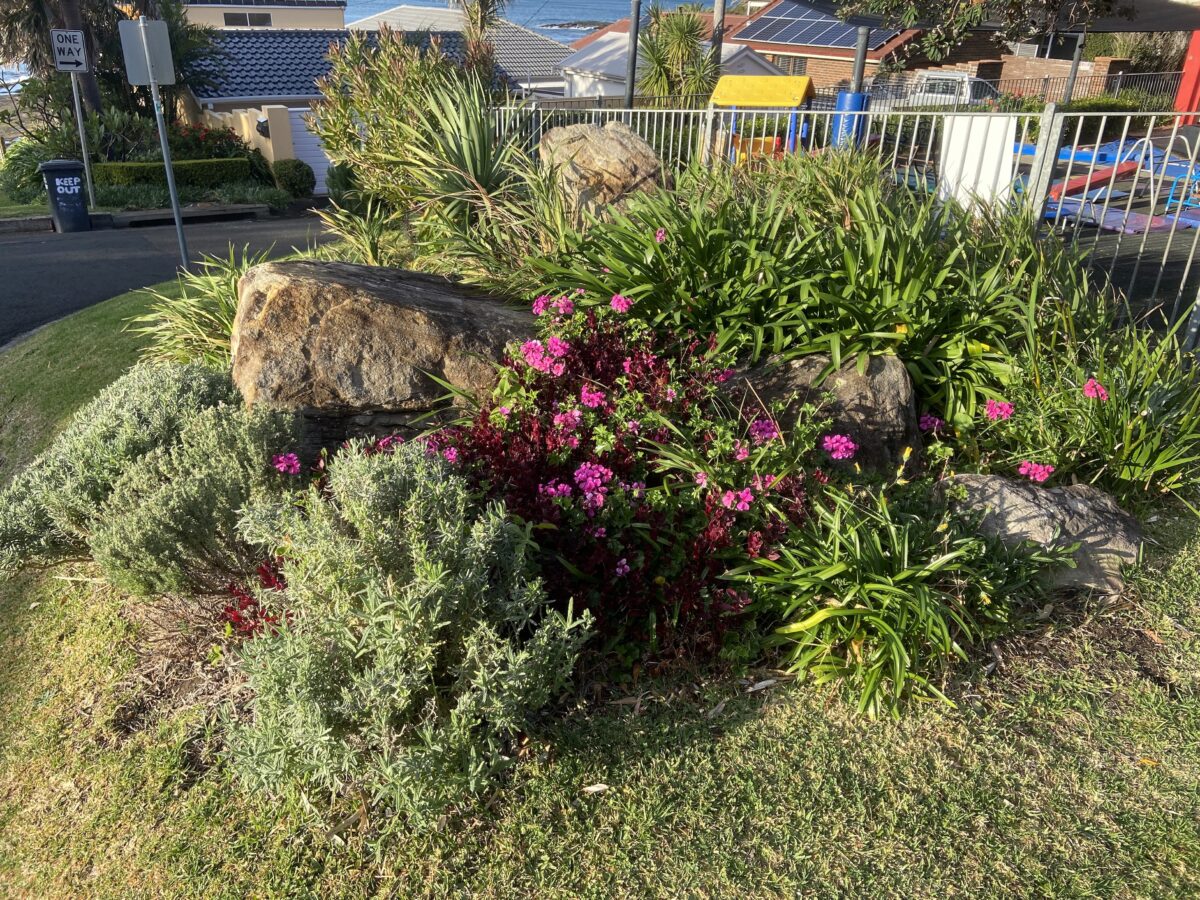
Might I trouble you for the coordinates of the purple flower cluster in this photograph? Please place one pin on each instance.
(839, 446)
(763, 430)
(592, 479)
(538, 357)
(1038, 472)
(621, 304)
(287, 463)
(998, 410)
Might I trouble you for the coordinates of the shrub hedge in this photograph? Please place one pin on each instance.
(295, 176)
(205, 173)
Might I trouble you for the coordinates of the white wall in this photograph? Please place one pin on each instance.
(579, 84)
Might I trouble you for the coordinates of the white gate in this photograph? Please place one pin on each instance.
(307, 146)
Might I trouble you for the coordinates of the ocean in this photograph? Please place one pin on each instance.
(546, 16)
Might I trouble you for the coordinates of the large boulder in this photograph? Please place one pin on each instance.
(338, 341)
(600, 165)
(875, 407)
(1016, 511)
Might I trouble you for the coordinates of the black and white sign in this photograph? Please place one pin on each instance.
(70, 50)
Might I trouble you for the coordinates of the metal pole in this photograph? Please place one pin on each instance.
(635, 15)
(83, 145)
(718, 31)
(166, 149)
(1069, 89)
(860, 58)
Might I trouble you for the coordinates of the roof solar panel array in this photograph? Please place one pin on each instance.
(799, 24)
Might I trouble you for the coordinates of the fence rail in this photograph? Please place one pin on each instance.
(1123, 187)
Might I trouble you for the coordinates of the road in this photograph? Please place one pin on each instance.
(46, 276)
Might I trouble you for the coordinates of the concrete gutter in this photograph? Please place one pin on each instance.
(144, 217)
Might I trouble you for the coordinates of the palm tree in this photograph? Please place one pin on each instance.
(673, 55)
(25, 35)
(479, 17)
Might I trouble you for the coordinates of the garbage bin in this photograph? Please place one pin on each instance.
(65, 188)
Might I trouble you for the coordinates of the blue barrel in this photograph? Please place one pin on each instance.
(848, 129)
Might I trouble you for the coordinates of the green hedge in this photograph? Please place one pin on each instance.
(206, 173)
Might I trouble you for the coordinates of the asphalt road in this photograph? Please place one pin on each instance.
(46, 276)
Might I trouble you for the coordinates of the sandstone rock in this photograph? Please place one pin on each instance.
(339, 340)
(600, 165)
(876, 408)
(1016, 511)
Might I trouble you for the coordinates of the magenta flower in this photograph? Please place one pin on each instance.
(724, 376)
(1038, 472)
(540, 305)
(634, 426)
(555, 489)
(627, 365)
(287, 463)
(1095, 390)
(739, 500)
(660, 235)
(557, 347)
(839, 446)
(592, 479)
(740, 451)
(701, 478)
(591, 397)
(451, 454)
(504, 411)
(569, 420)
(564, 305)
(621, 304)
(671, 395)
(931, 423)
(998, 409)
(763, 430)
(622, 568)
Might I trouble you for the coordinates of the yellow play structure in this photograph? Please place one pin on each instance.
(745, 93)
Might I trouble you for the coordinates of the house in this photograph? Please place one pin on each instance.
(599, 69)
(261, 82)
(267, 13)
(527, 60)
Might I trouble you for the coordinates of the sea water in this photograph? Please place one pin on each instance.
(563, 20)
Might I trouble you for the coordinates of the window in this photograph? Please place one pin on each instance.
(790, 65)
(247, 20)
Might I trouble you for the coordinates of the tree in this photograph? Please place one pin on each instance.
(947, 22)
(673, 55)
(479, 18)
(25, 35)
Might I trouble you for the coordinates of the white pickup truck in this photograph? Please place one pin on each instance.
(952, 89)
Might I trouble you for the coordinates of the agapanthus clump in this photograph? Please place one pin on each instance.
(642, 483)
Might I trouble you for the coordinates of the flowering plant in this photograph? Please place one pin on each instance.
(643, 479)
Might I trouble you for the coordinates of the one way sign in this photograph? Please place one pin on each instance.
(70, 51)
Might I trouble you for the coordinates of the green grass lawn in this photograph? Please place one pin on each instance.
(9, 208)
(1071, 770)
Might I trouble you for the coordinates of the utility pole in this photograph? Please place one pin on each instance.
(1069, 88)
(718, 31)
(635, 16)
(860, 58)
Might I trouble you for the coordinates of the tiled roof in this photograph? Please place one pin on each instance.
(253, 63)
(520, 53)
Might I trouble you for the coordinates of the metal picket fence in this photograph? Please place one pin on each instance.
(1123, 187)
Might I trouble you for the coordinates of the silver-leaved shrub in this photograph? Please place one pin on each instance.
(412, 645)
(50, 509)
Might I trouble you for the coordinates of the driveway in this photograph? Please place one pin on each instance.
(46, 276)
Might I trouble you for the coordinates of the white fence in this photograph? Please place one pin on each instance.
(1125, 187)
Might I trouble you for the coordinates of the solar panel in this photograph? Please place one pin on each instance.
(798, 24)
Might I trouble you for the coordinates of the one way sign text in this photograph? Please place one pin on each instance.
(70, 50)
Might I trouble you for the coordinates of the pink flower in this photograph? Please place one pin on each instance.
(569, 420)
(739, 500)
(660, 235)
(633, 425)
(671, 395)
(591, 397)
(930, 422)
(701, 478)
(592, 479)
(740, 451)
(622, 568)
(839, 446)
(1095, 390)
(557, 347)
(724, 376)
(565, 306)
(621, 304)
(627, 365)
(763, 430)
(451, 454)
(998, 409)
(554, 489)
(540, 305)
(1038, 472)
(504, 411)
(287, 463)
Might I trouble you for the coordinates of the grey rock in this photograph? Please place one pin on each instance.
(599, 166)
(1016, 511)
(876, 408)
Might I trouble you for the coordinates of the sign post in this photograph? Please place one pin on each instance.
(70, 55)
(147, 50)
